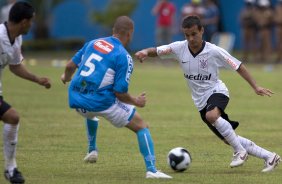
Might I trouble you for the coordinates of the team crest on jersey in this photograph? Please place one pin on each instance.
(103, 46)
(203, 63)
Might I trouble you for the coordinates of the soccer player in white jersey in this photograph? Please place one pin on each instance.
(20, 20)
(200, 62)
(99, 87)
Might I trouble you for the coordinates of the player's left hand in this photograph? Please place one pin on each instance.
(141, 55)
(263, 91)
(44, 81)
(141, 100)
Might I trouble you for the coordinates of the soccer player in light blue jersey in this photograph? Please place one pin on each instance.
(99, 76)
(91, 129)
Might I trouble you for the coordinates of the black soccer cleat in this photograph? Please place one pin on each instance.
(16, 178)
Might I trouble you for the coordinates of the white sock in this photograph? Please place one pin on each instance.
(254, 149)
(226, 130)
(10, 138)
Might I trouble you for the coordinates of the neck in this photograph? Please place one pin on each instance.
(196, 48)
(121, 39)
(13, 30)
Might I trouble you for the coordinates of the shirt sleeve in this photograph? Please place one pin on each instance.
(77, 58)
(15, 55)
(167, 51)
(124, 69)
(226, 60)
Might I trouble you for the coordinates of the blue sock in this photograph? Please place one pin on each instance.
(146, 147)
(91, 128)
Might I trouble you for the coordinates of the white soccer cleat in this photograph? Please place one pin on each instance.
(91, 157)
(271, 162)
(157, 174)
(239, 158)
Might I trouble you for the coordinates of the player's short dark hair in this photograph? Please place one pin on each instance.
(191, 21)
(21, 10)
(123, 25)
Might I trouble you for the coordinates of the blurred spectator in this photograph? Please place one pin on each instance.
(278, 25)
(249, 29)
(210, 19)
(165, 12)
(4, 14)
(195, 7)
(264, 20)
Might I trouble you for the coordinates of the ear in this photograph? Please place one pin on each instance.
(128, 34)
(202, 30)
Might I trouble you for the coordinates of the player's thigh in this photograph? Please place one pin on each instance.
(119, 114)
(86, 114)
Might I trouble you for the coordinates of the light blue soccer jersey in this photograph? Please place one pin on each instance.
(104, 67)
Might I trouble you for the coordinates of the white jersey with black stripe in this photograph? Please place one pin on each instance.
(201, 70)
(10, 53)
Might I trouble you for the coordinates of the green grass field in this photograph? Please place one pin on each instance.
(52, 138)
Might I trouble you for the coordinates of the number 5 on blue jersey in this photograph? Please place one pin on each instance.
(90, 65)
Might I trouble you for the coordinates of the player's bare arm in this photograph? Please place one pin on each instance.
(242, 70)
(143, 54)
(22, 72)
(138, 101)
(69, 71)
(156, 8)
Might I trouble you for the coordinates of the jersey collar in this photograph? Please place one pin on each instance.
(8, 33)
(115, 38)
(202, 48)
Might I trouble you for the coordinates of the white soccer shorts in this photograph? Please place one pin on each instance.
(119, 114)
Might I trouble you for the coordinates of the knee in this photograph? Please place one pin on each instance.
(14, 119)
(11, 117)
(212, 116)
(142, 125)
(137, 124)
(138, 127)
(146, 125)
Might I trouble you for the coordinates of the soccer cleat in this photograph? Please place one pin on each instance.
(271, 163)
(91, 157)
(15, 178)
(239, 158)
(157, 174)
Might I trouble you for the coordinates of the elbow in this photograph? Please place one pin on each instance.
(71, 66)
(240, 67)
(123, 97)
(118, 95)
(13, 69)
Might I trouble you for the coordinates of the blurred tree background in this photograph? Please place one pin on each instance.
(114, 9)
(104, 18)
(43, 10)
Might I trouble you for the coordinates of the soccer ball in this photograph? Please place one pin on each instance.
(179, 159)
